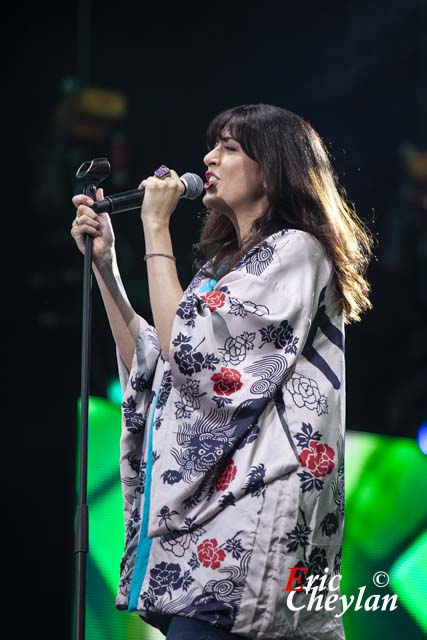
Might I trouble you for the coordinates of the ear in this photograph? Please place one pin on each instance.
(264, 182)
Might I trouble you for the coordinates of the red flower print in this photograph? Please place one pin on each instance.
(227, 381)
(209, 555)
(318, 459)
(214, 299)
(226, 476)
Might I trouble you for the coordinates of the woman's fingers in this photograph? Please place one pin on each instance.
(163, 184)
(86, 215)
(85, 220)
(176, 177)
(82, 229)
(151, 181)
(80, 198)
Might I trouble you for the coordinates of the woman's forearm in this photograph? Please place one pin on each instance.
(164, 286)
(123, 319)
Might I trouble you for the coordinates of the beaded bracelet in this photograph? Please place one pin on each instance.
(167, 255)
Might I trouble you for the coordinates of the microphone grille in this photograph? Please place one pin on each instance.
(193, 185)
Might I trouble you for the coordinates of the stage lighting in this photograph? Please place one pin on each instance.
(114, 392)
(422, 437)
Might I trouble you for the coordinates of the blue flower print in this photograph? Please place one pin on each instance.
(255, 482)
(188, 362)
(165, 577)
(164, 390)
(234, 546)
(134, 421)
(186, 311)
(282, 335)
(329, 524)
(299, 536)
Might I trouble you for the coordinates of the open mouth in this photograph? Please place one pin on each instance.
(211, 181)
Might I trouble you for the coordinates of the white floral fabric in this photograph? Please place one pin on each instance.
(232, 453)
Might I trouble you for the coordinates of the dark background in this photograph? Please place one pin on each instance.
(354, 70)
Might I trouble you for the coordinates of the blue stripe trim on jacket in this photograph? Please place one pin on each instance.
(144, 544)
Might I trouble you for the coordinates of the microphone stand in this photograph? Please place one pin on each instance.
(92, 173)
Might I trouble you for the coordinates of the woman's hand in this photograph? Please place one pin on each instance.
(98, 225)
(160, 199)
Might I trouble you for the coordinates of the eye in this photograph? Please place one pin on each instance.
(230, 148)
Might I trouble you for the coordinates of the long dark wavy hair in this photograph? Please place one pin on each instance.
(304, 193)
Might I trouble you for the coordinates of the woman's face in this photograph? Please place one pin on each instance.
(232, 178)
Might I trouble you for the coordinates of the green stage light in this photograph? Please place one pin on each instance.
(104, 492)
(114, 392)
(106, 529)
(389, 475)
(359, 447)
(408, 576)
(103, 444)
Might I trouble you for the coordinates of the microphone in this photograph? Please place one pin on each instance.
(133, 199)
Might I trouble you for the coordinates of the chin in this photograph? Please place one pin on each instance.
(220, 207)
(209, 200)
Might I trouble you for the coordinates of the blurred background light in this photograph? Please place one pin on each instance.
(408, 577)
(422, 437)
(114, 392)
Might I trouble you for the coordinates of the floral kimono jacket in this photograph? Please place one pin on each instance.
(232, 452)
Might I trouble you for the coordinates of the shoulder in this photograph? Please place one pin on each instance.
(298, 239)
(290, 249)
(307, 245)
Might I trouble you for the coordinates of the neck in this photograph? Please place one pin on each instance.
(245, 217)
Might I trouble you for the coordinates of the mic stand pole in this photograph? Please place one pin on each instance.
(92, 173)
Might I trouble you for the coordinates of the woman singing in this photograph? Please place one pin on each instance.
(232, 447)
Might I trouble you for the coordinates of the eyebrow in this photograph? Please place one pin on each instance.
(225, 138)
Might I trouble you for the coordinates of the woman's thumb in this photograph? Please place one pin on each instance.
(100, 194)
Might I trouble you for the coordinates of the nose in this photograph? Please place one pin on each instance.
(211, 157)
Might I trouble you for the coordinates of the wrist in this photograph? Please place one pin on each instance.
(163, 255)
(157, 239)
(105, 261)
(154, 225)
